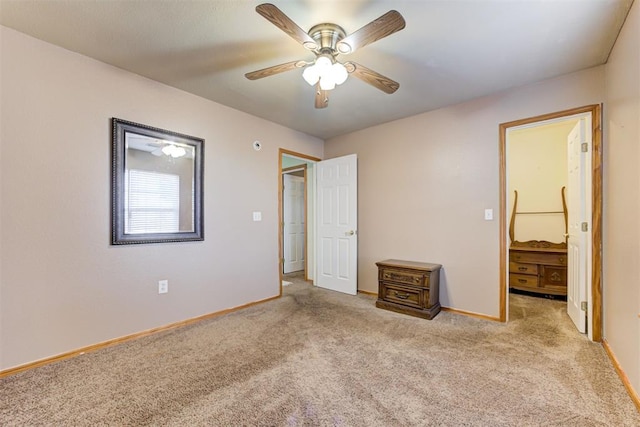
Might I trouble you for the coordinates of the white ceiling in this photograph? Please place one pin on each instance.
(449, 52)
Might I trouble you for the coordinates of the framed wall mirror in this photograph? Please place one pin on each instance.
(156, 185)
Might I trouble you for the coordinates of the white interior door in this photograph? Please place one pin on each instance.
(294, 225)
(337, 224)
(579, 223)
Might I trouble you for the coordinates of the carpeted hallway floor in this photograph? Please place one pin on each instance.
(320, 358)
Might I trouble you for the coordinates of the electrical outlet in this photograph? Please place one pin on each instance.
(163, 286)
(488, 214)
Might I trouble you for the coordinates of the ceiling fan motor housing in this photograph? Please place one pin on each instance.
(326, 36)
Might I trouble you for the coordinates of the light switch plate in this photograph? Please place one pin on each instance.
(257, 216)
(488, 214)
(163, 286)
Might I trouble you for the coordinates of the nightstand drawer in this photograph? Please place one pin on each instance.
(405, 277)
(412, 297)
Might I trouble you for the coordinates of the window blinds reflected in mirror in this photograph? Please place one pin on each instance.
(151, 202)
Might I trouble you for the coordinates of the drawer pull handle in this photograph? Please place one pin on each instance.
(417, 279)
(522, 281)
(401, 296)
(561, 259)
(522, 268)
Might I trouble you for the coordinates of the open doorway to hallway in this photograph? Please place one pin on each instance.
(294, 219)
(296, 213)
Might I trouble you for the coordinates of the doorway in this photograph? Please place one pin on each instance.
(594, 198)
(331, 206)
(294, 166)
(294, 219)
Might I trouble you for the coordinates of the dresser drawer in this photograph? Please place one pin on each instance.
(412, 297)
(404, 276)
(516, 267)
(538, 258)
(522, 281)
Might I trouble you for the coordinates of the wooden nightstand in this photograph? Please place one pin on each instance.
(409, 287)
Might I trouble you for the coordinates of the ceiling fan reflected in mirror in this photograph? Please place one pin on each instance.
(327, 41)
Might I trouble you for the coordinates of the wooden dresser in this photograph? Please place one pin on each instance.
(409, 287)
(538, 265)
(538, 269)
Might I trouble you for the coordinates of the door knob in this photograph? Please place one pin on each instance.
(350, 233)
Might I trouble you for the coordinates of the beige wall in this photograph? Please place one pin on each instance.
(425, 181)
(62, 285)
(537, 169)
(621, 216)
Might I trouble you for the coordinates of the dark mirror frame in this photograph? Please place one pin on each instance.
(119, 129)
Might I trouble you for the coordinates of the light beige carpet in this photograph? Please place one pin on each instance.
(316, 357)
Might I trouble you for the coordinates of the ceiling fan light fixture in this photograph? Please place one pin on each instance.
(173, 151)
(339, 73)
(326, 71)
(327, 82)
(323, 62)
(319, 68)
(311, 75)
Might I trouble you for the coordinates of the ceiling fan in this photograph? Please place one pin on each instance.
(327, 41)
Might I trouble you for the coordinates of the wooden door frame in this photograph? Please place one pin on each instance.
(596, 209)
(281, 152)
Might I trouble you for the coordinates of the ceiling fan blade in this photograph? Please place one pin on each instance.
(282, 21)
(322, 97)
(276, 69)
(375, 79)
(382, 27)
